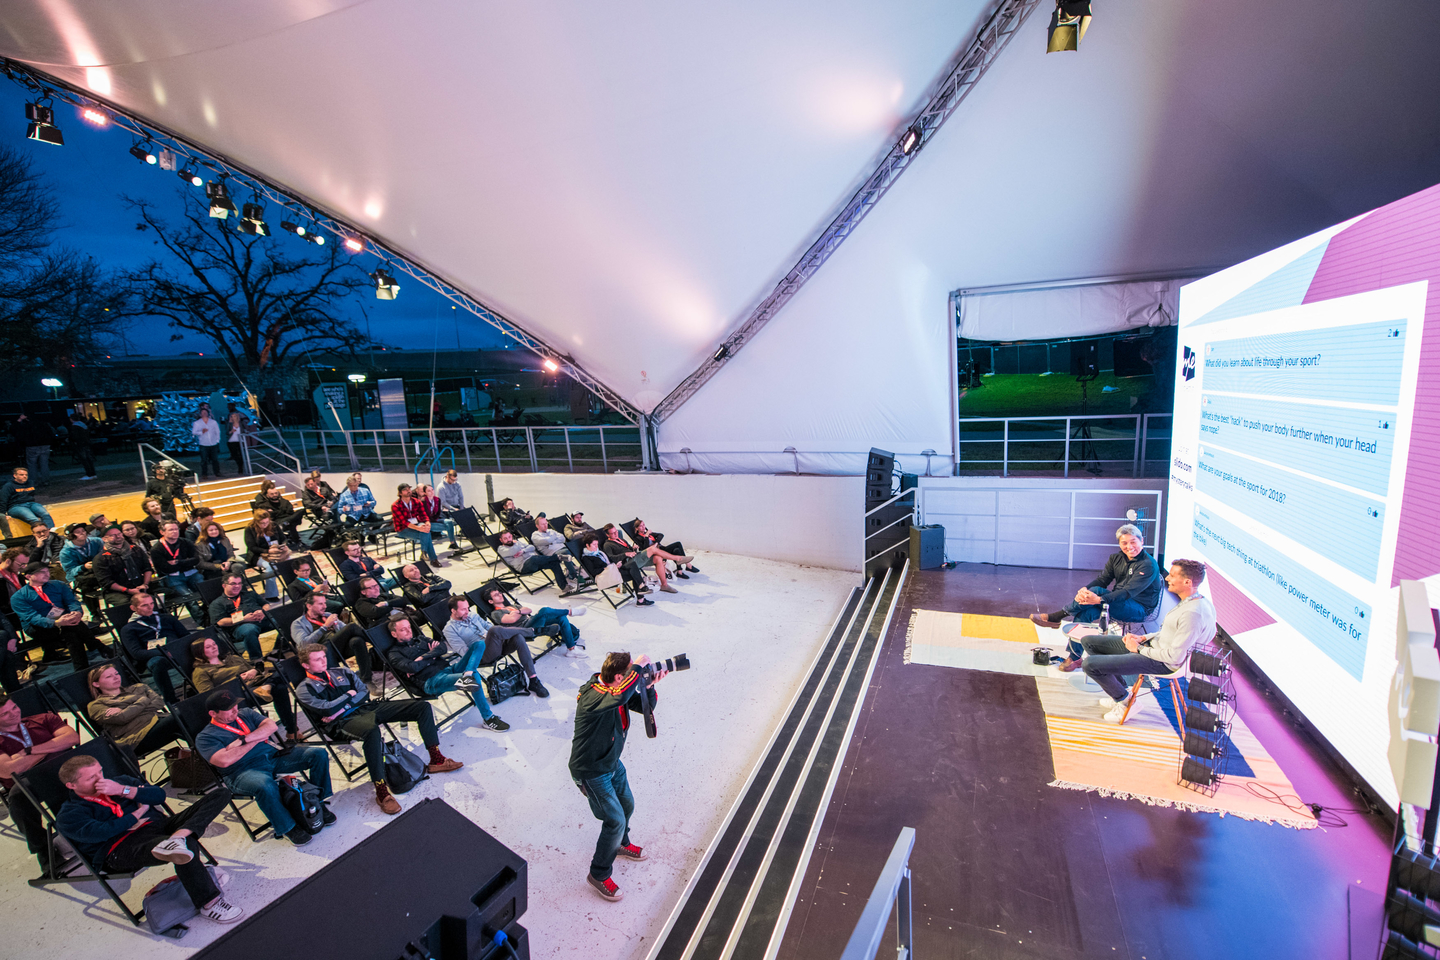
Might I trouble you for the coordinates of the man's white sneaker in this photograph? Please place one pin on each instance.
(577, 612)
(172, 851)
(222, 911)
(576, 652)
(1116, 714)
(1105, 703)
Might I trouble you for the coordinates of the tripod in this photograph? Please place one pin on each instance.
(1088, 459)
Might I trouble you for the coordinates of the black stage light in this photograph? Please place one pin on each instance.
(221, 206)
(1207, 664)
(1203, 691)
(252, 221)
(300, 231)
(190, 176)
(144, 153)
(42, 124)
(1198, 718)
(1068, 25)
(1200, 746)
(911, 140)
(1195, 771)
(385, 286)
(722, 353)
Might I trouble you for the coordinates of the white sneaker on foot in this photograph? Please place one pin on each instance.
(222, 911)
(1116, 714)
(577, 612)
(172, 851)
(576, 652)
(1105, 703)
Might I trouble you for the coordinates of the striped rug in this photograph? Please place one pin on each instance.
(1139, 760)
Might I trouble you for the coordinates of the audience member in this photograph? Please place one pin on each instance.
(118, 825)
(356, 503)
(1190, 622)
(466, 632)
(435, 509)
(46, 546)
(577, 531)
(596, 560)
(552, 621)
(1130, 584)
(15, 670)
(130, 530)
(550, 543)
(144, 637)
(318, 499)
(510, 515)
(50, 613)
(622, 554)
(78, 555)
(412, 521)
(154, 516)
(130, 715)
(215, 553)
(12, 579)
(341, 699)
(36, 437)
(160, 489)
(199, 517)
(177, 566)
(17, 499)
(80, 446)
(522, 558)
(282, 512)
(25, 742)
(238, 612)
(646, 540)
(235, 422)
(206, 431)
(213, 671)
(429, 664)
(374, 606)
(264, 547)
(318, 627)
(452, 495)
(358, 563)
(236, 742)
(307, 581)
(122, 568)
(420, 591)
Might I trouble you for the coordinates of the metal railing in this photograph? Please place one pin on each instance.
(263, 456)
(1133, 444)
(565, 449)
(892, 889)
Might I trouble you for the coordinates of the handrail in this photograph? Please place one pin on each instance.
(275, 457)
(892, 888)
(433, 455)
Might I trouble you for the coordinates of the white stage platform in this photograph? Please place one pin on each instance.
(751, 628)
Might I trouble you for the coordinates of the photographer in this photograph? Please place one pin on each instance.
(602, 719)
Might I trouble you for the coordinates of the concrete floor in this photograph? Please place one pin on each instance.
(751, 628)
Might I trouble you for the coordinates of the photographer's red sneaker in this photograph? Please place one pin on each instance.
(631, 852)
(606, 888)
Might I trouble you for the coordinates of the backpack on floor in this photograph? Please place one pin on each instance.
(301, 800)
(404, 768)
(167, 906)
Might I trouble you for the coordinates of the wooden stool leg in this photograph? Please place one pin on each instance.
(1130, 701)
(1179, 710)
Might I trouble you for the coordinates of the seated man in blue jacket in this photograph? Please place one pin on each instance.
(117, 825)
(1130, 584)
(236, 742)
(144, 638)
(50, 613)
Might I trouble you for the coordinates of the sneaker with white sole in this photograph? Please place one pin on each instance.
(606, 888)
(222, 911)
(467, 683)
(173, 850)
(1105, 703)
(577, 612)
(576, 652)
(631, 852)
(495, 723)
(1116, 714)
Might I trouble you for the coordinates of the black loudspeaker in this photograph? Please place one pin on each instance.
(1130, 357)
(1084, 358)
(927, 547)
(427, 884)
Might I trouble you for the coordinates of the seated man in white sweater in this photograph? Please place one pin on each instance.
(550, 543)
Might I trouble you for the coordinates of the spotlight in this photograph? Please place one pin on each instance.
(1203, 691)
(1068, 25)
(317, 238)
(221, 205)
(252, 221)
(1198, 718)
(354, 244)
(97, 117)
(356, 378)
(385, 286)
(722, 353)
(141, 153)
(296, 229)
(304, 234)
(1197, 772)
(42, 124)
(1200, 746)
(911, 140)
(51, 382)
(190, 177)
(550, 365)
(1207, 664)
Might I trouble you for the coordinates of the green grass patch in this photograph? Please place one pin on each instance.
(1034, 395)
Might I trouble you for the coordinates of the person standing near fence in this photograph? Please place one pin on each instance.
(80, 446)
(207, 431)
(235, 438)
(35, 436)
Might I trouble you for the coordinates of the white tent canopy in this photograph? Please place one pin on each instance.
(628, 180)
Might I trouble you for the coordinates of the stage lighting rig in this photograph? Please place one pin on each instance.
(221, 206)
(722, 353)
(354, 244)
(42, 124)
(385, 286)
(95, 115)
(252, 221)
(144, 153)
(911, 140)
(1068, 24)
(303, 233)
(190, 176)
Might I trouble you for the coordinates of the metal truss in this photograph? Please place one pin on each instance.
(965, 71)
(195, 156)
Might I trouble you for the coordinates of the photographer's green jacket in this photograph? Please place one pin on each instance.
(602, 719)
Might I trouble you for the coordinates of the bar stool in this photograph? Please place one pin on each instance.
(1174, 677)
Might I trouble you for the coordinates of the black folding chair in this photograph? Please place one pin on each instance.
(73, 690)
(31, 700)
(281, 618)
(616, 596)
(41, 784)
(194, 717)
(293, 673)
(350, 591)
(381, 641)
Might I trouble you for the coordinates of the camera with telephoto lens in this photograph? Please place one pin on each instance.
(649, 673)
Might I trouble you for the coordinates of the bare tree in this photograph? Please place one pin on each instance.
(55, 303)
(261, 304)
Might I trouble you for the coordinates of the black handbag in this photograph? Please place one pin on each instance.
(187, 770)
(506, 682)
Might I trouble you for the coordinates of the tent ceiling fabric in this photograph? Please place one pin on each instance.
(623, 180)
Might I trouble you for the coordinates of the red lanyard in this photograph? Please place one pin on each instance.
(326, 675)
(174, 554)
(41, 591)
(106, 802)
(242, 732)
(237, 604)
(318, 623)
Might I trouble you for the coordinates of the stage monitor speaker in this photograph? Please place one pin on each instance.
(429, 883)
(1084, 358)
(927, 547)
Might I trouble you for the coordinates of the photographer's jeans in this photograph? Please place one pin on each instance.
(612, 803)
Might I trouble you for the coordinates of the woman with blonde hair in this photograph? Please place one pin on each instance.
(212, 669)
(129, 715)
(264, 547)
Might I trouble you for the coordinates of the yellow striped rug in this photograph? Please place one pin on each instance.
(1139, 760)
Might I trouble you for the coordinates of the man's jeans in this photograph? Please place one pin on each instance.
(537, 562)
(247, 635)
(612, 803)
(159, 666)
(546, 616)
(1114, 667)
(421, 537)
(37, 459)
(446, 679)
(209, 460)
(259, 782)
(30, 512)
(1123, 610)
